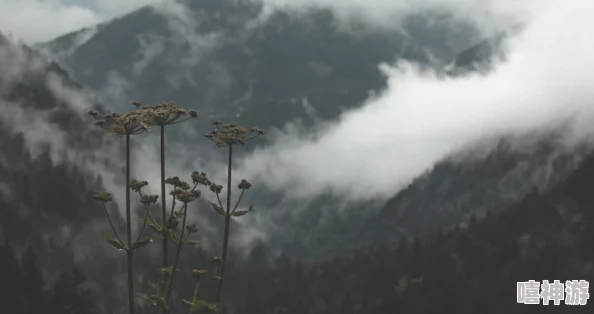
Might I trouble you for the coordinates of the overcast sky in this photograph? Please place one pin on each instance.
(42, 20)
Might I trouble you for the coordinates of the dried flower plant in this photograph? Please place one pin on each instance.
(164, 114)
(126, 124)
(182, 193)
(229, 135)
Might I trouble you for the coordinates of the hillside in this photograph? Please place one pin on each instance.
(48, 156)
(472, 268)
(222, 58)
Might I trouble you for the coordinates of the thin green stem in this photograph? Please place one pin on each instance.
(163, 200)
(129, 254)
(195, 296)
(167, 291)
(111, 224)
(227, 222)
(146, 215)
(238, 200)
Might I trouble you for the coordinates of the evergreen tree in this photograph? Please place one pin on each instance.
(69, 297)
(10, 280)
(33, 286)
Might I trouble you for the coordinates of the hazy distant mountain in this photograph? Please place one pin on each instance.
(222, 58)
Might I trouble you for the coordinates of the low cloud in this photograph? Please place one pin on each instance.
(422, 117)
(35, 21)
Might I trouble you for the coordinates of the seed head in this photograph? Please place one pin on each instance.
(244, 185)
(231, 134)
(216, 188)
(186, 196)
(192, 228)
(149, 199)
(164, 273)
(136, 186)
(198, 273)
(217, 261)
(200, 178)
(167, 113)
(177, 183)
(102, 197)
(130, 123)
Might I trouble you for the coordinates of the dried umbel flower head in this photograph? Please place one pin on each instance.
(217, 261)
(192, 228)
(200, 178)
(167, 113)
(216, 188)
(198, 273)
(244, 185)
(130, 123)
(231, 134)
(149, 199)
(136, 186)
(164, 273)
(102, 197)
(177, 183)
(186, 196)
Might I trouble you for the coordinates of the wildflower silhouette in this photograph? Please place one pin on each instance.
(126, 124)
(182, 193)
(164, 114)
(227, 136)
(196, 304)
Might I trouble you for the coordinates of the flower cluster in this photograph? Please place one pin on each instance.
(130, 123)
(231, 134)
(167, 113)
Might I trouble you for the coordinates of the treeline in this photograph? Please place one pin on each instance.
(24, 291)
(472, 268)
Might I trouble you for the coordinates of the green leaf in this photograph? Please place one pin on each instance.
(117, 244)
(240, 213)
(142, 242)
(199, 305)
(219, 209)
(172, 236)
(191, 242)
(156, 228)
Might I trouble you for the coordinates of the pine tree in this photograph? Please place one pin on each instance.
(33, 285)
(69, 297)
(10, 280)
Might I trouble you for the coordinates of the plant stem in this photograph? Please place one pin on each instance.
(227, 222)
(167, 291)
(111, 224)
(129, 231)
(195, 297)
(163, 201)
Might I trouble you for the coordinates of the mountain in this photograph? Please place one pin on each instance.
(224, 59)
(230, 62)
(48, 154)
(227, 61)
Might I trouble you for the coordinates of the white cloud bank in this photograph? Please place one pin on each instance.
(36, 20)
(421, 118)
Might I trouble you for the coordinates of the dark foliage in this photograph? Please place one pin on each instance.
(472, 268)
(24, 289)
